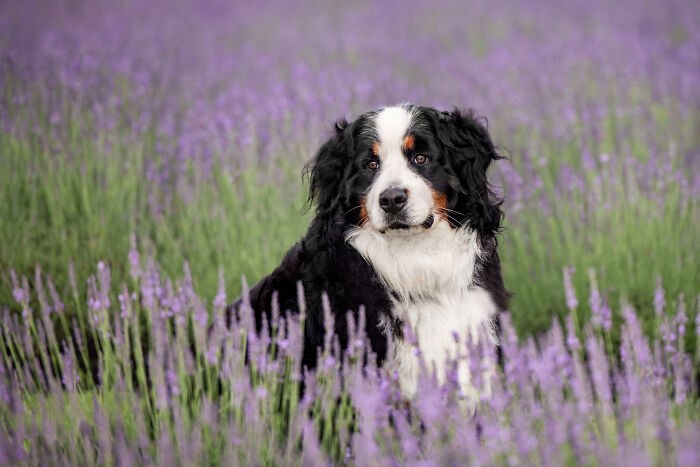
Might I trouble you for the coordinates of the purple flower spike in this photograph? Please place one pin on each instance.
(134, 258)
(571, 301)
(659, 299)
(19, 292)
(220, 299)
(595, 301)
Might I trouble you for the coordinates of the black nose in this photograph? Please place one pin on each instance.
(392, 200)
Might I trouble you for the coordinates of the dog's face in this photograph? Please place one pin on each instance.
(404, 182)
(399, 170)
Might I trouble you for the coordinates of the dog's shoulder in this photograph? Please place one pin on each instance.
(322, 261)
(330, 264)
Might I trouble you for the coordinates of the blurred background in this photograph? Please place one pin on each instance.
(187, 124)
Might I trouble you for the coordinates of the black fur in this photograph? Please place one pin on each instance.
(324, 262)
(469, 152)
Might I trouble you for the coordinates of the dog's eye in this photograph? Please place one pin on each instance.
(420, 159)
(373, 165)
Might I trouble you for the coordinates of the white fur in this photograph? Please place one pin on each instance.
(431, 272)
(391, 126)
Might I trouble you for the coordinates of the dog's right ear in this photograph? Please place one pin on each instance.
(469, 152)
(326, 169)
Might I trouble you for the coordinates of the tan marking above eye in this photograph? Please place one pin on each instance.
(409, 142)
(375, 148)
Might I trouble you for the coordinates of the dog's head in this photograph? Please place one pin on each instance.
(403, 169)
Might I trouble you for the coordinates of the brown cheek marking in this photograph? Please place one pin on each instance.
(440, 201)
(409, 142)
(375, 148)
(363, 211)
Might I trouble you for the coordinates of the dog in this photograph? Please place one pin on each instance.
(407, 226)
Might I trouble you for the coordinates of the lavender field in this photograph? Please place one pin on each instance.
(150, 157)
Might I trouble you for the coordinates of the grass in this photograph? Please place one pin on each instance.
(629, 236)
(83, 202)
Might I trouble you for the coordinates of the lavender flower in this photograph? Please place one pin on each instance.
(220, 299)
(595, 301)
(134, 258)
(606, 316)
(571, 301)
(659, 300)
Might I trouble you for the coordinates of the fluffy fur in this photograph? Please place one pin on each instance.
(406, 225)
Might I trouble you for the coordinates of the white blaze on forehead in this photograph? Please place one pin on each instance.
(392, 124)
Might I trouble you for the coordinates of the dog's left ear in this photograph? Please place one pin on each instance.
(326, 169)
(469, 152)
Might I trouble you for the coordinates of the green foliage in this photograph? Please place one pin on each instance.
(82, 202)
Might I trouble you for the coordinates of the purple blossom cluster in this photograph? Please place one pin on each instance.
(172, 386)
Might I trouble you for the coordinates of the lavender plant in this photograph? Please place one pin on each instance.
(172, 386)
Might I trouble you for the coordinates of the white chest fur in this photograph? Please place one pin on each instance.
(431, 275)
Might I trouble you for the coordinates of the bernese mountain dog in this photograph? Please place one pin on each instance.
(406, 225)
